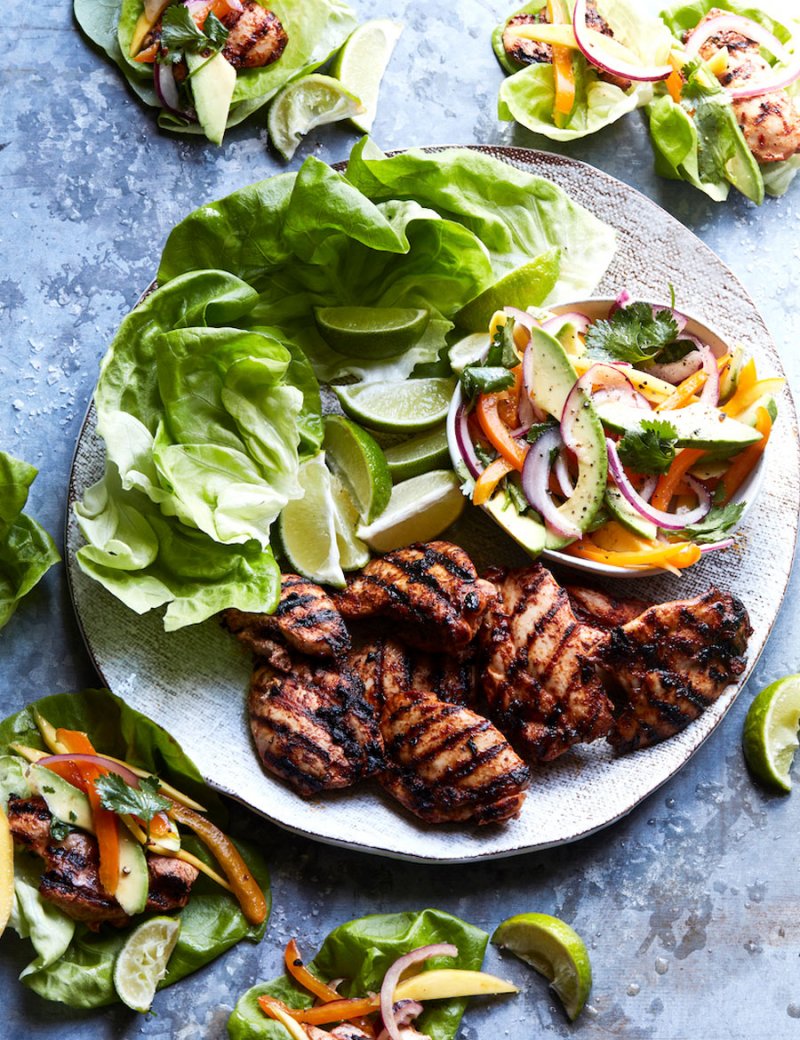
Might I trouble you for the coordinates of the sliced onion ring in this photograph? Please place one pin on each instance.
(392, 977)
(465, 445)
(535, 478)
(709, 395)
(405, 1012)
(110, 766)
(713, 546)
(524, 318)
(167, 90)
(659, 517)
(558, 321)
(622, 69)
(562, 476)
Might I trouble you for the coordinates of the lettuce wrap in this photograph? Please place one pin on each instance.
(315, 30)
(361, 952)
(699, 139)
(73, 964)
(27, 552)
(527, 96)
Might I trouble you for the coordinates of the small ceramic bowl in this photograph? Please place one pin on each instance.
(594, 309)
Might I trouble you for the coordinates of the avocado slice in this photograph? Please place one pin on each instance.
(748, 416)
(212, 81)
(697, 426)
(729, 380)
(622, 511)
(525, 529)
(570, 339)
(134, 877)
(64, 801)
(553, 380)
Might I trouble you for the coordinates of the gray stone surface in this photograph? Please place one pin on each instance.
(689, 905)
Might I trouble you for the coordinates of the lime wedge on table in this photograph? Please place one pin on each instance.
(770, 732)
(353, 553)
(362, 61)
(304, 104)
(142, 962)
(416, 404)
(371, 332)
(419, 455)
(555, 950)
(526, 286)
(360, 464)
(419, 509)
(308, 526)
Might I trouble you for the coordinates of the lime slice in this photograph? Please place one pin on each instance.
(142, 962)
(468, 350)
(359, 462)
(361, 63)
(371, 332)
(419, 455)
(353, 553)
(304, 104)
(308, 529)
(416, 404)
(419, 509)
(527, 286)
(555, 950)
(770, 732)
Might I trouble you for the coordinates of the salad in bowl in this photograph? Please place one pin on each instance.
(614, 435)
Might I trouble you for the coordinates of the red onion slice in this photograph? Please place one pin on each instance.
(713, 546)
(524, 318)
(405, 1012)
(709, 395)
(535, 478)
(622, 300)
(659, 517)
(393, 975)
(616, 67)
(675, 372)
(465, 445)
(95, 760)
(562, 476)
(556, 323)
(167, 90)
(613, 386)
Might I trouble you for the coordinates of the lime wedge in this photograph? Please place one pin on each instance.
(361, 63)
(770, 732)
(359, 462)
(308, 529)
(142, 962)
(419, 455)
(371, 332)
(555, 950)
(353, 553)
(419, 509)
(304, 104)
(416, 404)
(527, 286)
(468, 350)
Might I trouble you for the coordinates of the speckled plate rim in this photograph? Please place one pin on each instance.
(525, 158)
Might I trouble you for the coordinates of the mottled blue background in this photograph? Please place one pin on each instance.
(690, 905)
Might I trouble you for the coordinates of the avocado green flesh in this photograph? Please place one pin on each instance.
(134, 878)
(553, 380)
(749, 416)
(212, 81)
(525, 529)
(624, 513)
(697, 426)
(729, 380)
(64, 801)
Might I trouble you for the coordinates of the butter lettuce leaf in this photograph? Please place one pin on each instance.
(361, 952)
(73, 964)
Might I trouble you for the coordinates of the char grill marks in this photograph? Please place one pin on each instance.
(312, 725)
(447, 764)
(256, 36)
(431, 590)
(770, 122)
(543, 691)
(387, 667)
(666, 667)
(306, 619)
(71, 878)
(602, 610)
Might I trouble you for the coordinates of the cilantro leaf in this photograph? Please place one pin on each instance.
(516, 494)
(502, 350)
(633, 333)
(179, 33)
(719, 522)
(536, 431)
(482, 379)
(650, 448)
(58, 829)
(118, 796)
(215, 31)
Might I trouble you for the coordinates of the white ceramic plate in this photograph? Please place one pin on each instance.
(193, 682)
(595, 309)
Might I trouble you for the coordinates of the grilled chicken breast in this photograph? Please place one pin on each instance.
(312, 725)
(543, 691)
(306, 618)
(431, 590)
(667, 666)
(71, 878)
(602, 610)
(446, 764)
(256, 36)
(770, 122)
(387, 667)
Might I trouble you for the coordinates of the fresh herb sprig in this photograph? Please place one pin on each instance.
(649, 447)
(716, 525)
(180, 34)
(493, 374)
(119, 797)
(633, 333)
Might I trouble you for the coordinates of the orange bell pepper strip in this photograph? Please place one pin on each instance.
(341, 1010)
(497, 433)
(676, 555)
(674, 82)
(747, 380)
(742, 399)
(489, 479)
(669, 482)
(563, 74)
(148, 55)
(745, 463)
(76, 742)
(300, 973)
